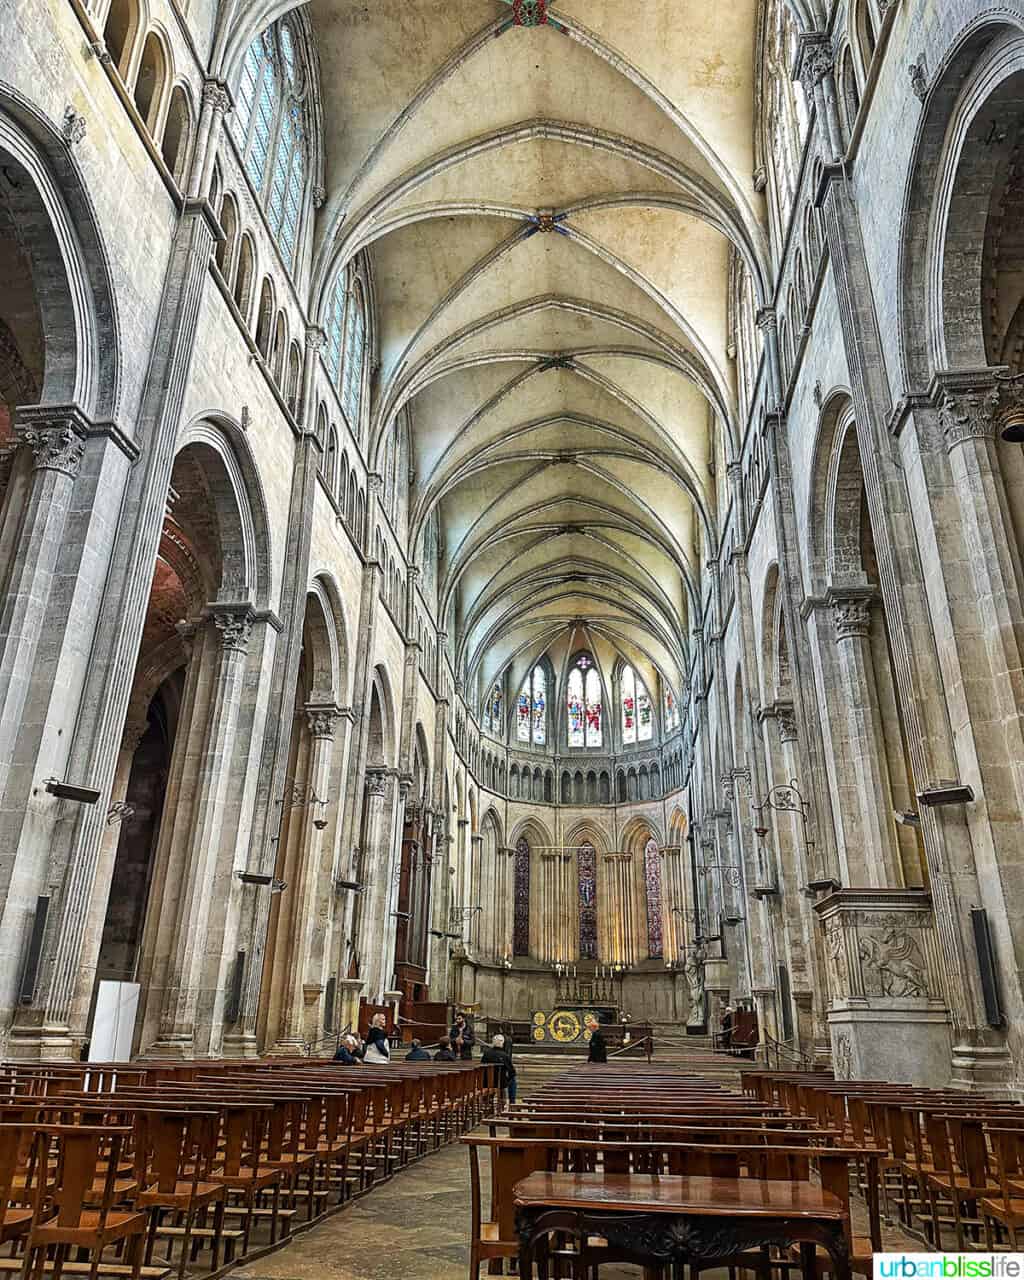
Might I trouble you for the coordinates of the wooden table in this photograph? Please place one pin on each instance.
(669, 1221)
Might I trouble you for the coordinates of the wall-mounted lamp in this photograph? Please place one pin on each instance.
(71, 791)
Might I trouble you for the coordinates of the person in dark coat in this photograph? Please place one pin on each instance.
(347, 1052)
(417, 1053)
(497, 1055)
(598, 1048)
(462, 1038)
(444, 1051)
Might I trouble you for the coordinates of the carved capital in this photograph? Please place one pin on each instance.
(814, 61)
(969, 415)
(316, 339)
(234, 628)
(216, 96)
(851, 618)
(374, 483)
(376, 782)
(321, 718)
(57, 444)
(765, 319)
(319, 197)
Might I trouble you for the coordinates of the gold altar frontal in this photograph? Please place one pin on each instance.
(565, 1026)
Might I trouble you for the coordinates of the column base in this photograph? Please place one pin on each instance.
(986, 1069)
(44, 1043)
(179, 1048)
(906, 1041)
(240, 1044)
(287, 1047)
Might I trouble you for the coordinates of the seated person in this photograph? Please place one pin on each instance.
(497, 1055)
(417, 1053)
(444, 1051)
(348, 1051)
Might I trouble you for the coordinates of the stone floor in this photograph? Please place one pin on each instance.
(415, 1227)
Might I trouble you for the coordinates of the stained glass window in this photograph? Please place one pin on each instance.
(531, 708)
(583, 704)
(637, 712)
(493, 708)
(268, 124)
(335, 328)
(540, 703)
(652, 881)
(521, 901)
(586, 863)
(355, 350)
(671, 712)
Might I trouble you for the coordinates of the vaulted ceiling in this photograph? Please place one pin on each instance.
(549, 212)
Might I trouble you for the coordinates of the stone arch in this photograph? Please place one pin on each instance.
(228, 474)
(380, 747)
(45, 198)
(831, 490)
(955, 180)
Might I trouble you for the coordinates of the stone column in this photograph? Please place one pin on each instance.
(374, 864)
(203, 850)
(475, 937)
(298, 1021)
(85, 980)
(56, 438)
(871, 857)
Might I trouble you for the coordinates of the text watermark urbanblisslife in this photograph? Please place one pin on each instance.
(949, 1266)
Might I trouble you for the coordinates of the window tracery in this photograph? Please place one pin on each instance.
(637, 712)
(271, 129)
(583, 704)
(531, 708)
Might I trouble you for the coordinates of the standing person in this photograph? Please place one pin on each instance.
(417, 1053)
(498, 1056)
(377, 1048)
(727, 1028)
(444, 1051)
(462, 1038)
(598, 1048)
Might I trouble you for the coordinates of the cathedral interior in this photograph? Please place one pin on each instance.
(508, 504)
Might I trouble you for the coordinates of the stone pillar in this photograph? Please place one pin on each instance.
(870, 858)
(85, 980)
(475, 935)
(113, 618)
(886, 1013)
(56, 438)
(299, 1021)
(374, 876)
(203, 849)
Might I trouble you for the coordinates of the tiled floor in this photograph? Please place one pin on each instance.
(415, 1227)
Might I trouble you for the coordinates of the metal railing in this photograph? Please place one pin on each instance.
(645, 1042)
(778, 1055)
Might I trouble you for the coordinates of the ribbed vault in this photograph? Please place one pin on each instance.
(548, 215)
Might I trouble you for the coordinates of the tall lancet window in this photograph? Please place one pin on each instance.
(271, 125)
(671, 711)
(637, 714)
(532, 707)
(521, 901)
(583, 704)
(652, 881)
(494, 708)
(586, 863)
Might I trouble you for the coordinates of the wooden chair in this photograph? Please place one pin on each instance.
(68, 1160)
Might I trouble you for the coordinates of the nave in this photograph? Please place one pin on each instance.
(283, 1170)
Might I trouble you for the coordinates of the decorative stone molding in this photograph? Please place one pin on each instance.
(765, 319)
(216, 96)
(234, 627)
(56, 438)
(969, 415)
(316, 339)
(851, 618)
(760, 178)
(814, 61)
(880, 944)
(72, 127)
(319, 197)
(321, 718)
(919, 78)
(98, 50)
